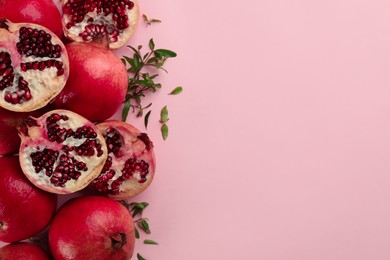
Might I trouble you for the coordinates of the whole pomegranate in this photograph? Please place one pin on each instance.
(33, 66)
(92, 227)
(61, 151)
(42, 12)
(23, 251)
(85, 21)
(25, 210)
(130, 164)
(97, 82)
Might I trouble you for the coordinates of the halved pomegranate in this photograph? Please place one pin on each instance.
(130, 165)
(61, 151)
(33, 66)
(85, 20)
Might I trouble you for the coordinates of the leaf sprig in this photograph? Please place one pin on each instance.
(142, 82)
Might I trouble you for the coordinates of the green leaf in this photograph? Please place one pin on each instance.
(143, 224)
(136, 233)
(151, 44)
(176, 91)
(164, 115)
(150, 242)
(145, 17)
(140, 257)
(164, 131)
(146, 119)
(125, 111)
(166, 53)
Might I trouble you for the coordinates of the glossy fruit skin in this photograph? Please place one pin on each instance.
(97, 82)
(84, 227)
(42, 12)
(25, 251)
(25, 209)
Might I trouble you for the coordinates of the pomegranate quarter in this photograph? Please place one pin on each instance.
(130, 164)
(33, 66)
(86, 20)
(61, 151)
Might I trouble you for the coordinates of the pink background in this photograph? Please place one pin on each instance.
(279, 144)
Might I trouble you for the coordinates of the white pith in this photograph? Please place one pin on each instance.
(36, 142)
(100, 19)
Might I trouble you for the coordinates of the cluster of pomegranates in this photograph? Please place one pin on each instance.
(59, 86)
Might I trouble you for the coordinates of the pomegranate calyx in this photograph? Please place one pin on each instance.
(4, 23)
(23, 127)
(118, 240)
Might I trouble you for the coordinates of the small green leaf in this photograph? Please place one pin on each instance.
(136, 233)
(151, 44)
(176, 91)
(125, 110)
(145, 17)
(146, 119)
(154, 21)
(165, 53)
(150, 242)
(140, 257)
(164, 115)
(143, 224)
(164, 131)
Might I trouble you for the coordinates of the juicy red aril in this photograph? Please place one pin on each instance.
(67, 167)
(132, 166)
(37, 43)
(6, 71)
(77, 10)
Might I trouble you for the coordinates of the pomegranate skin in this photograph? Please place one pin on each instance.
(25, 251)
(94, 228)
(25, 210)
(97, 82)
(42, 12)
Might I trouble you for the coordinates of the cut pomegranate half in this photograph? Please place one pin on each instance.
(130, 165)
(86, 20)
(34, 66)
(61, 151)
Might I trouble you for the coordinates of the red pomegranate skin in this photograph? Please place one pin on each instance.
(9, 139)
(23, 251)
(87, 228)
(97, 82)
(25, 210)
(42, 12)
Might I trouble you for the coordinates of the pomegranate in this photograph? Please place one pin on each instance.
(42, 12)
(130, 164)
(97, 75)
(33, 66)
(61, 151)
(25, 251)
(92, 227)
(25, 210)
(86, 20)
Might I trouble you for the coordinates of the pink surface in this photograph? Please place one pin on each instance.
(279, 144)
